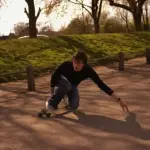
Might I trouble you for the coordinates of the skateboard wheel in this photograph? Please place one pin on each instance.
(40, 114)
(48, 115)
(43, 111)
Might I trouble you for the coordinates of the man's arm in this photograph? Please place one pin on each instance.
(96, 79)
(94, 76)
(56, 76)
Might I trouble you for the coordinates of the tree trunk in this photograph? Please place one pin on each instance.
(135, 7)
(32, 28)
(126, 21)
(137, 22)
(144, 22)
(32, 20)
(127, 25)
(84, 26)
(96, 7)
(147, 20)
(96, 26)
(96, 13)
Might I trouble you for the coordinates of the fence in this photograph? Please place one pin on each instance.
(30, 70)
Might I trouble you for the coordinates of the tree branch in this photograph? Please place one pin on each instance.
(39, 11)
(27, 1)
(112, 3)
(141, 2)
(133, 4)
(25, 10)
(79, 3)
(83, 5)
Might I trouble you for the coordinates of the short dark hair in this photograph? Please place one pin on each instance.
(80, 56)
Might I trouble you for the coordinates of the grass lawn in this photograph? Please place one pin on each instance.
(16, 54)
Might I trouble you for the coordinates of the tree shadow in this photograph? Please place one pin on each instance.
(130, 126)
(34, 140)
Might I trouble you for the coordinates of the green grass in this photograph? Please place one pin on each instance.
(15, 55)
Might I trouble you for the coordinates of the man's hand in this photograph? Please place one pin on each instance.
(123, 105)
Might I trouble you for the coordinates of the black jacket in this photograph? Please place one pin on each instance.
(66, 69)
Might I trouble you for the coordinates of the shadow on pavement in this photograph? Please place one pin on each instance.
(130, 126)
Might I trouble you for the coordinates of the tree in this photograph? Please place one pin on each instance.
(146, 15)
(94, 10)
(47, 30)
(32, 18)
(76, 26)
(133, 6)
(51, 4)
(103, 20)
(124, 17)
(123, 14)
(20, 28)
(88, 24)
(114, 25)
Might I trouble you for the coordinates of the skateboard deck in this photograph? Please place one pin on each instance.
(62, 108)
(58, 111)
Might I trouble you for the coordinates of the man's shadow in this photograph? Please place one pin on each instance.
(130, 126)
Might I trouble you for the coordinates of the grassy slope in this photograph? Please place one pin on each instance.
(15, 55)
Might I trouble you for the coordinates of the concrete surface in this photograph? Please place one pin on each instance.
(100, 123)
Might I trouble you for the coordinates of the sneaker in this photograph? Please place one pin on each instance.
(49, 108)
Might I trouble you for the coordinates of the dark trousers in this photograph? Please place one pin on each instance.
(65, 88)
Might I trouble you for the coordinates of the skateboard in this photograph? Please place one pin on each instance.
(55, 112)
(65, 107)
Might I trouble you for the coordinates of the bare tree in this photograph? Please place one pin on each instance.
(133, 6)
(76, 26)
(21, 29)
(94, 10)
(145, 15)
(32, 18)
(104, 18)
(124, 15)
(114, 25)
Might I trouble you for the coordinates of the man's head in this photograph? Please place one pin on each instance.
(79, 60)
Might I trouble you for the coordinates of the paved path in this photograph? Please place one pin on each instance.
(99, 125)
